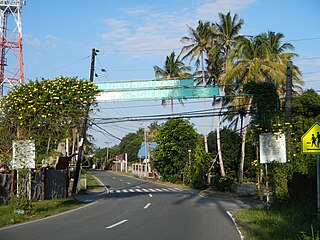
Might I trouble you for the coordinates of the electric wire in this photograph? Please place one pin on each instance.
(67, 65)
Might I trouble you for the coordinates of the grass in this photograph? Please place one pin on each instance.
(288, 221)
(92, 184)
(36, 210)
(40, 209)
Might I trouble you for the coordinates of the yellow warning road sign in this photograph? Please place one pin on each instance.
(311, 140)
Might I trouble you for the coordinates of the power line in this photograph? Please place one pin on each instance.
(68, 65)
(191, 114)
(102, 129)
(157, 105)
(178, 49)
(306, 58)
(303, 39)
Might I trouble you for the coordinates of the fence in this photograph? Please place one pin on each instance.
(36, 185)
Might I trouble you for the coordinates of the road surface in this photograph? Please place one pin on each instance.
(134, 209)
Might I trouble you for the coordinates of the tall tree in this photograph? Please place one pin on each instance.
(48, 109)
(173, 68)
(259, 59)
(175, 137)
(228, 29)
(199, 42)
(277, 51)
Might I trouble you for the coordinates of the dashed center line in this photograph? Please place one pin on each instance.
(117, 224)
(129, 183)
(146, 206)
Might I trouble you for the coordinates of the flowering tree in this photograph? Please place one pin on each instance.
(47, 109)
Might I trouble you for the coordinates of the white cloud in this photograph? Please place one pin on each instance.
(150, 29)
(48, 41)
(116, 29)
(34, 42)
(210, 9)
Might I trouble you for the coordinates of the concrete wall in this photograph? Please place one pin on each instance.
(243, 189)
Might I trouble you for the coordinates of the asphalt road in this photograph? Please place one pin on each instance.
(134, 209)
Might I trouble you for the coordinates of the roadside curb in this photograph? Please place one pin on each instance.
(234, 221)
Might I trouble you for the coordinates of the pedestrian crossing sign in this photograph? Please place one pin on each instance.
(311, 140)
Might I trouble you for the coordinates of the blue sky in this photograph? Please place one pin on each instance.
(135, 35)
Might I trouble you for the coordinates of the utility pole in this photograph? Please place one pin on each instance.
(288, 92)
(84, 130)
(288, 101)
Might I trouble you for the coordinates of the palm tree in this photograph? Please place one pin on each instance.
(259, 59)
(277, 52)
(227, 35)
(199, 42)
(173, 68)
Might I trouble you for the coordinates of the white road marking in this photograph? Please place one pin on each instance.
(137, 186)
(152, 190)
(138, 190)
(118, 191)
(120, 180)
(124, 190)
(157, 189)
(234, 222)
(129, 183)
(131, 190)
(146, 206)
(145, 190)
(114, 177)
(150, 195)
(117, 224)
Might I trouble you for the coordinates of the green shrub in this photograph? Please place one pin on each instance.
(222, 183)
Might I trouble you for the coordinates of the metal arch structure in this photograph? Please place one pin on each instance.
(11, 61)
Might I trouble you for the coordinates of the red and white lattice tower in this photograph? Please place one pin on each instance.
(11, 62)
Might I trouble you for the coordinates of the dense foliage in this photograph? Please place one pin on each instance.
(46, 109)
(231, 142)
(175, 137)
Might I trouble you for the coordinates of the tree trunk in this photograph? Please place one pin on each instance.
(204, 107)
(223, 174)
(243, 143)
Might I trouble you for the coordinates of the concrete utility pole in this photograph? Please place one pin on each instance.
(288, 102)
(84, 130)
(288, 92)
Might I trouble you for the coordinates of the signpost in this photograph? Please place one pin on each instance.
(144, 84)
(311, 140)
(23, 157)
(158, 89)
(157, 94)
(23, 154)
(311, 145)
(272, 149)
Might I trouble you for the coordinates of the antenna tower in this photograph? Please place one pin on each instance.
(11, 64)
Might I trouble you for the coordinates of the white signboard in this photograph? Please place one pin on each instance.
(23, 154)
(272, 148)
